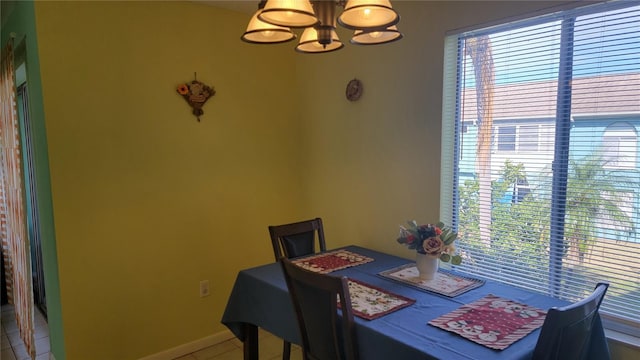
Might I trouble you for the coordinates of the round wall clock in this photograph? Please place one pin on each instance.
(354, 90)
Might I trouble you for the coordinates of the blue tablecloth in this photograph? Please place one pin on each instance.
(260, 297)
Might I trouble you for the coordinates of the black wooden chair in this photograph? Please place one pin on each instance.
(566, 331)
(297, 239)
(325, 335)
(293, 240)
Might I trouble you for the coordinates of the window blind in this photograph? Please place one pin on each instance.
(540, 166)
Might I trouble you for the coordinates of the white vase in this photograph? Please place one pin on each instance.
(427, 266)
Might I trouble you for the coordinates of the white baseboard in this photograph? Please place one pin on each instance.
(191, 347)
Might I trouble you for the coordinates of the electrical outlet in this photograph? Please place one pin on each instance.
(204, 288)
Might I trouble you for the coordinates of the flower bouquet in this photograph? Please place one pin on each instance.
(434, 240)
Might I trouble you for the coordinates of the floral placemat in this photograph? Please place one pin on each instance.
(331, 261)
(444, 282)
(492, 321)
(371, 302)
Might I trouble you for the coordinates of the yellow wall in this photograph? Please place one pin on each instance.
(148, 201)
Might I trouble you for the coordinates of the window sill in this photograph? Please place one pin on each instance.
(623, 339)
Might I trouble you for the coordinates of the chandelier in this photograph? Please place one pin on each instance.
(373, 21)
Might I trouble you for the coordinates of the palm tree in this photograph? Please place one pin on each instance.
(594, 194)
(479, 49)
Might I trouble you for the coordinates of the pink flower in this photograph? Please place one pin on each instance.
(433, 245)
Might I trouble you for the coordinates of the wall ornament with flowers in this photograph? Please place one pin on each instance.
(196, 93)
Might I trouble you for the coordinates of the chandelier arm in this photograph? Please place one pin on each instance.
(326, 13)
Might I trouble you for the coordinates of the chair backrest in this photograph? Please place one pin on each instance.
(297, 239)
(566, 331)
(325, 335)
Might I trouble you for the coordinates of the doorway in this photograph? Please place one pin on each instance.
(33, 222)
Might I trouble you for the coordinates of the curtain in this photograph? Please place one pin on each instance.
(15, 243)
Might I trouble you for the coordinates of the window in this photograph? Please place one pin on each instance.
(619, 143)
(520, 138)
(507, 138)
(543, 183)
(528, 138)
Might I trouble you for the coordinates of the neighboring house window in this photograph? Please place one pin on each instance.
(620, 144)
(522, 190)
(547, 201)
(521, 138)
(507, 138)
(528, 138)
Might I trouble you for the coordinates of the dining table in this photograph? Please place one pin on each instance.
(260, 299)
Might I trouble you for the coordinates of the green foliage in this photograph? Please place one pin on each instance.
(448, 236)
(520, 231)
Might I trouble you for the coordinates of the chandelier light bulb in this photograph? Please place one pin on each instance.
(260, 32)
(368, 15)
(289, 13)
(376, 37)
(309, 42)
(373, 21)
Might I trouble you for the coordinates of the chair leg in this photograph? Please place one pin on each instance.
(286, 350)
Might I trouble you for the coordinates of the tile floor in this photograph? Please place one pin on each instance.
(12, 346)
(270, 349)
